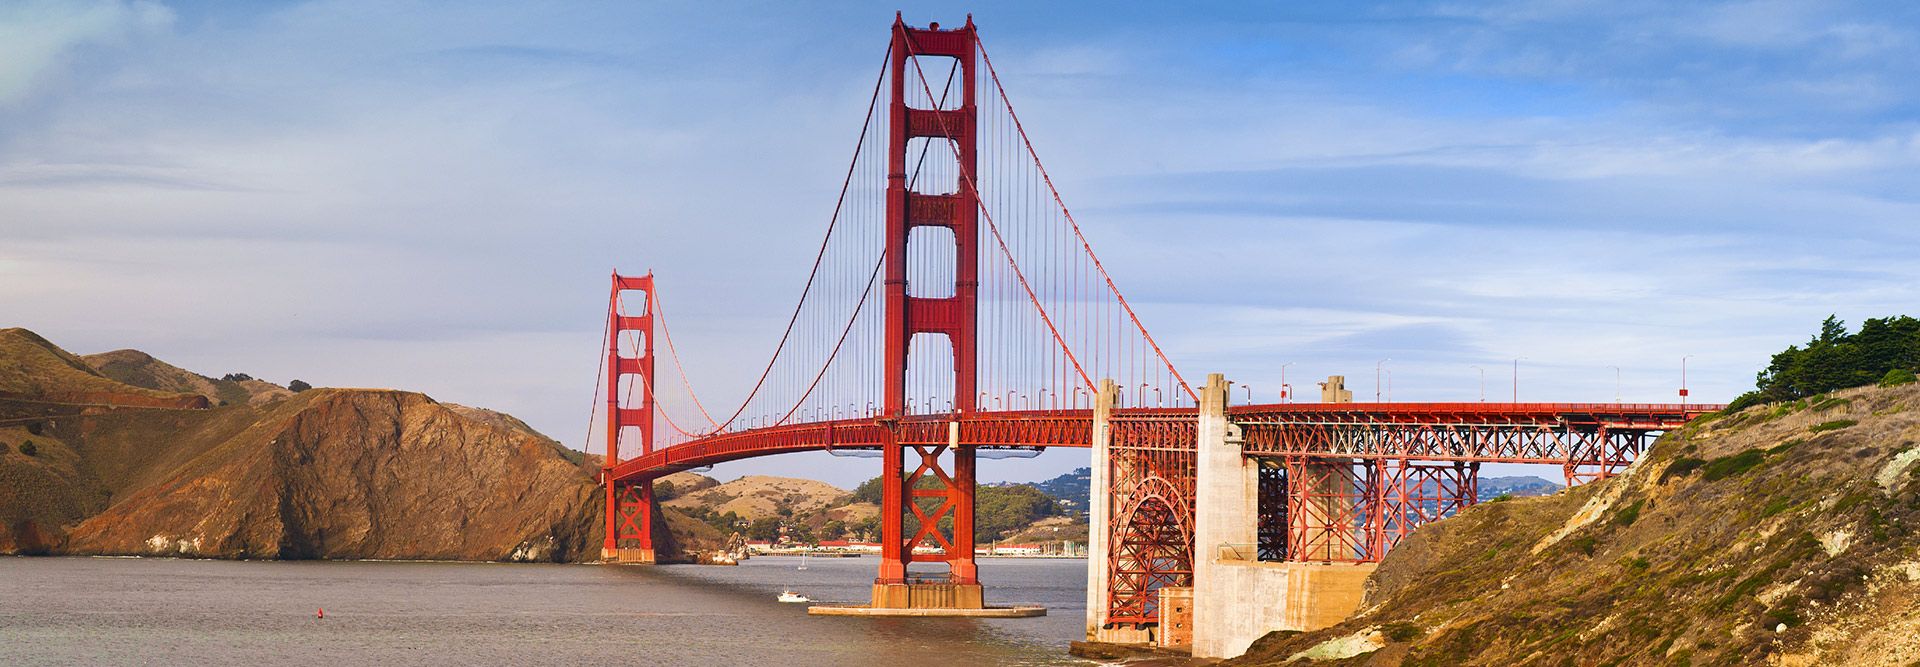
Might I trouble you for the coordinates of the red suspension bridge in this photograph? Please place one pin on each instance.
(956, 310)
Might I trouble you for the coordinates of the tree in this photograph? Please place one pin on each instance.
(27, 447)
(834, 528)
(1834, 359)
(236, 377)
(299, 386)
(765, 528)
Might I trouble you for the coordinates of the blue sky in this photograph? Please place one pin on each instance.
(430, 195)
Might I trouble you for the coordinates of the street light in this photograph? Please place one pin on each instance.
(1483, 383)
(1616, 384)
(1516, 379)
(1376, 378)
(1683, 380)
(1286, 390)
(1249, 390)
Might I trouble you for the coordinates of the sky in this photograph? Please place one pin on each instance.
(430, 195)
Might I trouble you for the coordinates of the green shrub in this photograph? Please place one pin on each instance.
(298, 386)
(1829, 403)
(1504, 497)
(1897, 377)
(1681, 467)
(27, 447)
(3, 448)
(1834, 425)
(1729, 466)
(1401, 631)
(1775, 506)
(1783, 447)
(1583, 544)
(1627, 515)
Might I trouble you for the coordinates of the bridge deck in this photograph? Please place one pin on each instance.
(1493, 432)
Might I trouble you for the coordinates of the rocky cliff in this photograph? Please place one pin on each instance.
(92, 464)
(1784, 534)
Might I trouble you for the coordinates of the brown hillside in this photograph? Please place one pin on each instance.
(142, 370)
(1781, 535)
(759, 496)
(328, 473)
(338, 473)
(31, 368)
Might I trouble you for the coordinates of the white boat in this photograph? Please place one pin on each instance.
(790, 596)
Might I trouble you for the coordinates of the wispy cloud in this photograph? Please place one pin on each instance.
(356, 192)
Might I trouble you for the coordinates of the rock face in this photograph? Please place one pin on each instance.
(1785, 534)
(336, 473)
(151, 469)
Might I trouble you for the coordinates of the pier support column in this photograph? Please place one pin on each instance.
(1236, 597)
(1100, 526)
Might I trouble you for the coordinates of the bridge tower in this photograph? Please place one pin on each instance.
(950, 207)
(629, 512)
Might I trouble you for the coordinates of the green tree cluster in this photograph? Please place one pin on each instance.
(1835, 359)
(997, 510)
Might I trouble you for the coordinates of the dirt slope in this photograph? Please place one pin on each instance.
(1781, 535)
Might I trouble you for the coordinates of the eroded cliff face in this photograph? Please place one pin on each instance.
(1781, 535)
(348, 473)
(146, 469)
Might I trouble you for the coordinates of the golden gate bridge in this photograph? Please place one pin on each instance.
(955, 310)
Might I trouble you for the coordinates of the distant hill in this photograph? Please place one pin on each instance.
(759, 496)
(142, 370)
(1494, 487)
(34, 369)
(1073, 488)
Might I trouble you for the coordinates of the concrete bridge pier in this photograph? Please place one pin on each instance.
(1100, 524)
(1238, 598)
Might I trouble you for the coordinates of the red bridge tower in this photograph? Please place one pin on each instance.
(629, 532)
(953, 207)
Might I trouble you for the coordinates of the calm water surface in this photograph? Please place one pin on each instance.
(110, 611)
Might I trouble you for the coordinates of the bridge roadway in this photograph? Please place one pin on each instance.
(1546, 433)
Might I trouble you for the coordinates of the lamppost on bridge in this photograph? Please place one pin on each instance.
(1616, 384)
(1247, 387)
(1376, 377)
(1683, 380)
(1143, 394)
(1516, 379)
(1483, 382)
(1286, 390)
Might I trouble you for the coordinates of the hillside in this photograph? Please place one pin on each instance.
(328, 473)
(759, 496)
(32, 369)
(142, 370)
(1783, 534)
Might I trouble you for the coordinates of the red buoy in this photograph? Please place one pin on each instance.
(322, 613)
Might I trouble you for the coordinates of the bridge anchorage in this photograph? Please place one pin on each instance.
(995, 331)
